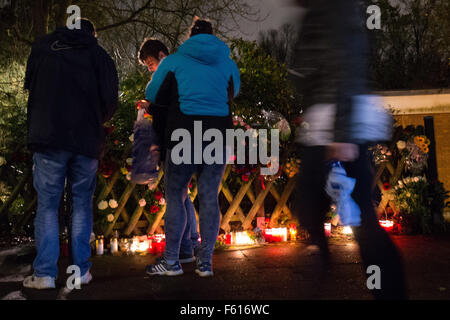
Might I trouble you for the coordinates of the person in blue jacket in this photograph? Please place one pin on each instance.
(151, 54)
(197, 84)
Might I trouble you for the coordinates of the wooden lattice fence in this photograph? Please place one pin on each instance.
(141, 221)
(389, 171)
(131, 218)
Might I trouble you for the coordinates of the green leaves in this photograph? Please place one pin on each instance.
(264, 82)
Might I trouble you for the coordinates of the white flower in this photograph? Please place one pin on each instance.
(113, 203)
(129, 176)
(129, 161)
(162, 201)
(131, 138)
(400, 183)
(142, 202)
(2, 161)
(401, 145)
(110, 217)
(416, 179)
(102, 205)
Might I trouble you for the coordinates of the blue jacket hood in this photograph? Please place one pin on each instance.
(205, 48)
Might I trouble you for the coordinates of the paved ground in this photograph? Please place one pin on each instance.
(281, 271)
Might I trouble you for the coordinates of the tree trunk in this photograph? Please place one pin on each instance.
(41, 11)
(61, 12)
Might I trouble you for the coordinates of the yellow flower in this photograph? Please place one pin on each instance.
(149, 117)
(124, 171)
(425, 150)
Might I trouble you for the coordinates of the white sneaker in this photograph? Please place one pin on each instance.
(40, 283)
(86, 278)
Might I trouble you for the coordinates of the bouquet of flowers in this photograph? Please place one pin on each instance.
(413, 198)
(416, 150)
(153, 200)
(105, 214)
(381, 153)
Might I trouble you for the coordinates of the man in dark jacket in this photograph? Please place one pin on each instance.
(331, 69)
(73, 91)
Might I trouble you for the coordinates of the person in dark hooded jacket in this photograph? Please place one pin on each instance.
(73, 91)
(197, 84)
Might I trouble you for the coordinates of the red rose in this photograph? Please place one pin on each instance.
(158, 195)
(245, 177)
(110, 130)
(154, 209)
(298, 121)
(386, 186)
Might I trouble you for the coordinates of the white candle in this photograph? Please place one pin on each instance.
(114, 245)
(100, 246)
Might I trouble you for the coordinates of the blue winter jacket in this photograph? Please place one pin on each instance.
(203, 70)
(196, 83)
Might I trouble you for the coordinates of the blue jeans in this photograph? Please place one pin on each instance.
(51, 168)
(177, 178)
(190, 237)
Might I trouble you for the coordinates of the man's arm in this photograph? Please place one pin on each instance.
(155, 89)
(29, 73)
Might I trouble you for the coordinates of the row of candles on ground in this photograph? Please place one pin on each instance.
(387, 225)
(156, 243)
(152, 244)
(270, 235)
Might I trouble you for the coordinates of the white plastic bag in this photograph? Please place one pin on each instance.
(340, 187)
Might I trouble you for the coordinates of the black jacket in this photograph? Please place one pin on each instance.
(330, 63)
(73, 91)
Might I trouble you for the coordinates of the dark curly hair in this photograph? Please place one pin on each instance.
(201, 26)
(151, 48)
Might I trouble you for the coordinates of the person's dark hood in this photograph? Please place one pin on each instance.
(66, 38)
(205, 48)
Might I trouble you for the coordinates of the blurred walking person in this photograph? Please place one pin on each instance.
(331, 69)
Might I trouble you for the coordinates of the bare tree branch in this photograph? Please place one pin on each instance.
(128, 20)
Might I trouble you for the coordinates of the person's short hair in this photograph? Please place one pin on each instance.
(151, 48)
(201, 26)
(87, 25)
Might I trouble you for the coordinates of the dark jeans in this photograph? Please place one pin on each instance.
(189, 242)
(311, 203)
(50, 171)
(176, 218)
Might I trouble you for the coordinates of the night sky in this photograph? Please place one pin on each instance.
(277, 12)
